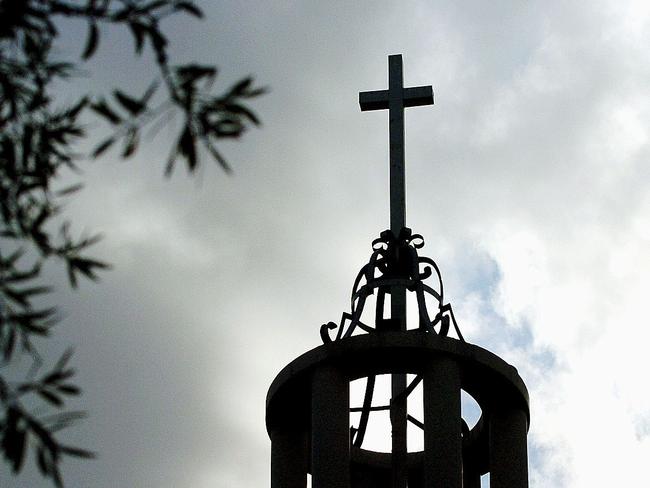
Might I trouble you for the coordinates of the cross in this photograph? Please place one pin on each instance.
(396, 99)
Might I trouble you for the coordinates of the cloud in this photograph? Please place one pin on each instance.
(528, 179)
(573, 263)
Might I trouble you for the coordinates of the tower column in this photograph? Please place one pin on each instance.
(471, 477)
(288, 458)
(508, 451)
(442, 425)
(330, 396)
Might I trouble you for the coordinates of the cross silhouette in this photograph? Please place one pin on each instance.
(396, 99)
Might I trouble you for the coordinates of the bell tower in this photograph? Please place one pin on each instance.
(308, 410)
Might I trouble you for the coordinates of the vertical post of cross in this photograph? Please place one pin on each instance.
(395, 99)
(399, 409)
(396, 146)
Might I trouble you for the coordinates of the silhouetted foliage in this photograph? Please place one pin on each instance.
(37, 141)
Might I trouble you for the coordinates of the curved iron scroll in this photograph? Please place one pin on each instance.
(395, 263)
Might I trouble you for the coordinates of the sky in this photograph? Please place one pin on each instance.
(528, 178)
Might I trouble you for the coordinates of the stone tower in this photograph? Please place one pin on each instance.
(308, 411)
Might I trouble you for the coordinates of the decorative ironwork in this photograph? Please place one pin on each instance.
(395, 264)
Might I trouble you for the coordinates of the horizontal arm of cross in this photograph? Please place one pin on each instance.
(419, 95)
(412, 97)
(373, 100)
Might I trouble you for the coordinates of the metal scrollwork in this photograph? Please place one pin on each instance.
(395, 264)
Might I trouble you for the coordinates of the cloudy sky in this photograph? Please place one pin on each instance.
(529, 179)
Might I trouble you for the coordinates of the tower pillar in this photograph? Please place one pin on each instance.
(442, 425)
(330, 428)
(289, 458)
(508, 452)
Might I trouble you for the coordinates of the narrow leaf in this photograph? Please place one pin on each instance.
(43, 465)
(219, 158)
(17, 297)
(131, 143)
(149, 93)
(56, 476)
(133, 106)
(51, 398)
(240, 87)
(75, 451)
(19, 450)
(241, 110)
(187, 148)
(69, 389)
(257, 92)
(138, 30)
(69, 190)
(63, 360)
(190, 8)
(91, 41)
(102, 147)
(159, 43)
(105, 111)
(72, 112)
(10, 342)
(62, 420)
